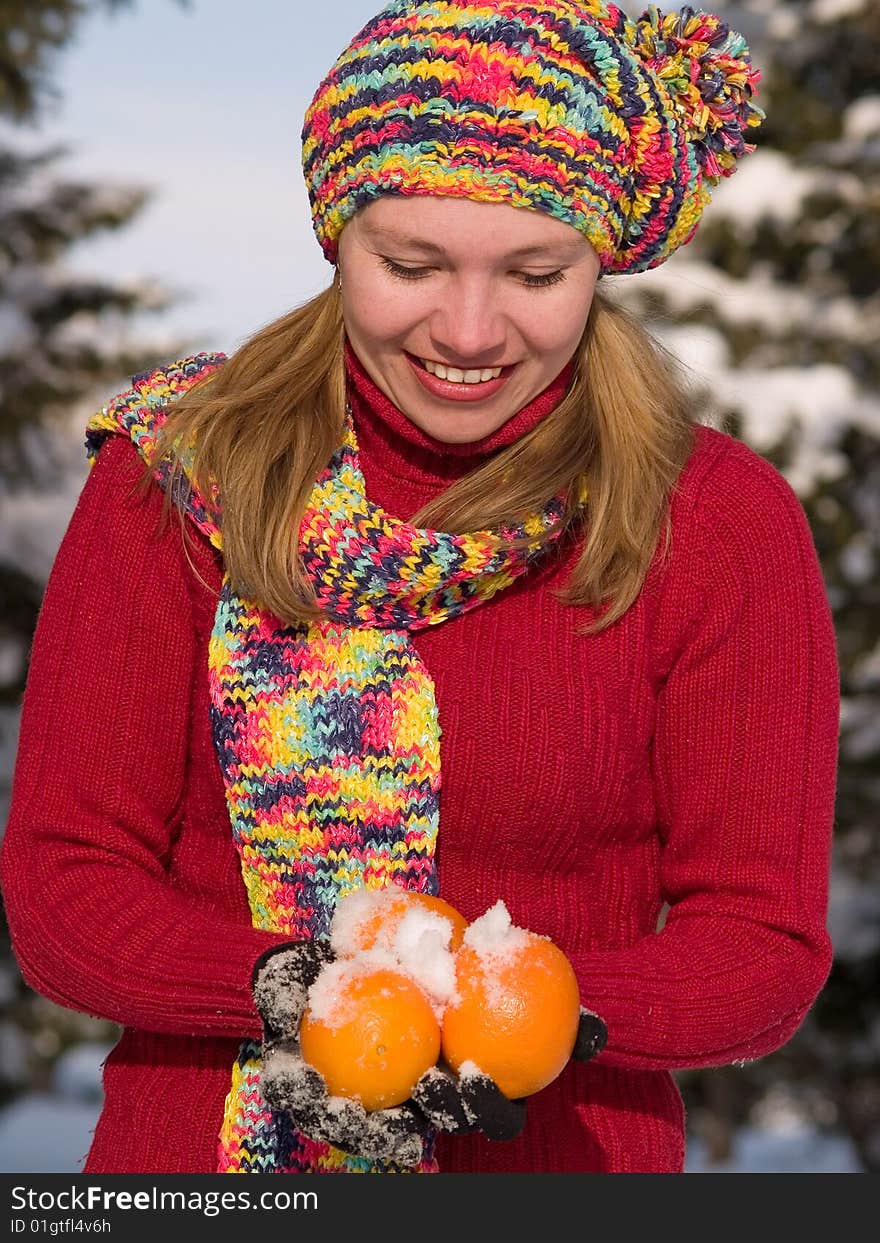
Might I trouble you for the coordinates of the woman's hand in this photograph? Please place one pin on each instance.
(441, 1100)
(290, 1084)
(592, 1037)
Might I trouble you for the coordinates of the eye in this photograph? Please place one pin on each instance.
(541, 282)
(530, 280)
(404, 274)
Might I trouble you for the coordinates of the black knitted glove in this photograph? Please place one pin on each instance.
(592, 1037)
(290, 1084)
(459, 1104)
(280, 982)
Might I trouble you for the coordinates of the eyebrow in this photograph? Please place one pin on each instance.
(418, 243)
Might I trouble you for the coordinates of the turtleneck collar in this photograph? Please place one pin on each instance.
(390, 444)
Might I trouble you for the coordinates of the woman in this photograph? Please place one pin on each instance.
(512, 533)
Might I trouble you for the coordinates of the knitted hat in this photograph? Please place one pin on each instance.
(614, 126)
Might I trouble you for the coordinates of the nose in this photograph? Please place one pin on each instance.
(467, 324)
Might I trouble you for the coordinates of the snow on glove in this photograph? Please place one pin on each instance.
(289, 1083)
(280, 982)
(441, 1101)
(473, 1102)
(459, 1104)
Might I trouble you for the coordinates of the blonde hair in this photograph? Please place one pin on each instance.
(265, 424)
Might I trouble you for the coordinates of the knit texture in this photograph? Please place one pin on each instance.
(616, 127)
(686, 755)
(327, 733)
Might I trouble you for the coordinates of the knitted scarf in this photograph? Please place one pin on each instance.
(327, 733)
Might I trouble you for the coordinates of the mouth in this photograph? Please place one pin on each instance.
(457, 375)
(450, 384)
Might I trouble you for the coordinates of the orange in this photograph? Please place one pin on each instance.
(515, 1014)
(380, 913)
(374, 1037)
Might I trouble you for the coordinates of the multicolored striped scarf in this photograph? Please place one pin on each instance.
(327, 733)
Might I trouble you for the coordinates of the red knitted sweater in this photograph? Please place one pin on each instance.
(687, 755)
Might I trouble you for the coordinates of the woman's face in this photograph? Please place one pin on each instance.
(465, 285)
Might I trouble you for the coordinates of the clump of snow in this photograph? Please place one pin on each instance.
(767, 184)
(782, 23)
(470, 1070)
(331, 998)
(865, 673)
(421, 947)
(496, 941)
(860, 722)
(407, 937)
(354, 912)
(827, 11)
(494, 935)
(857, 558)
(413, 941)
(862, 118)
(17, 331)
(759, 300)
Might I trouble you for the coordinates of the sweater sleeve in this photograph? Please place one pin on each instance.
(95, 920)
(744, 767)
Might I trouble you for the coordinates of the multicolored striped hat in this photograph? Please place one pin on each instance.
(617, 127)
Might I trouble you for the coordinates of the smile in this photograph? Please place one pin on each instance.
(457, 376)
(456, 384)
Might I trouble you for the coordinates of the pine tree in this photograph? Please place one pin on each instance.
(775, 308)
(62, 335)
(64, 338)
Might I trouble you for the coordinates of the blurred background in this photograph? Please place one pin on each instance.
(151, 205)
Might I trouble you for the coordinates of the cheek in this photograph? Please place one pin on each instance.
(555, 324)
(376, 313)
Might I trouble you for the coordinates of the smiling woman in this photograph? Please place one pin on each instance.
(458, 496)
(463, 335)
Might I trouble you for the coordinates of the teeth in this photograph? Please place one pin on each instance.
(461, 377)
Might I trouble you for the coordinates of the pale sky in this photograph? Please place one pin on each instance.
(205, 104)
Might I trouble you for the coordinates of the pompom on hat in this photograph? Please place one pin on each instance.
(617, 127)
